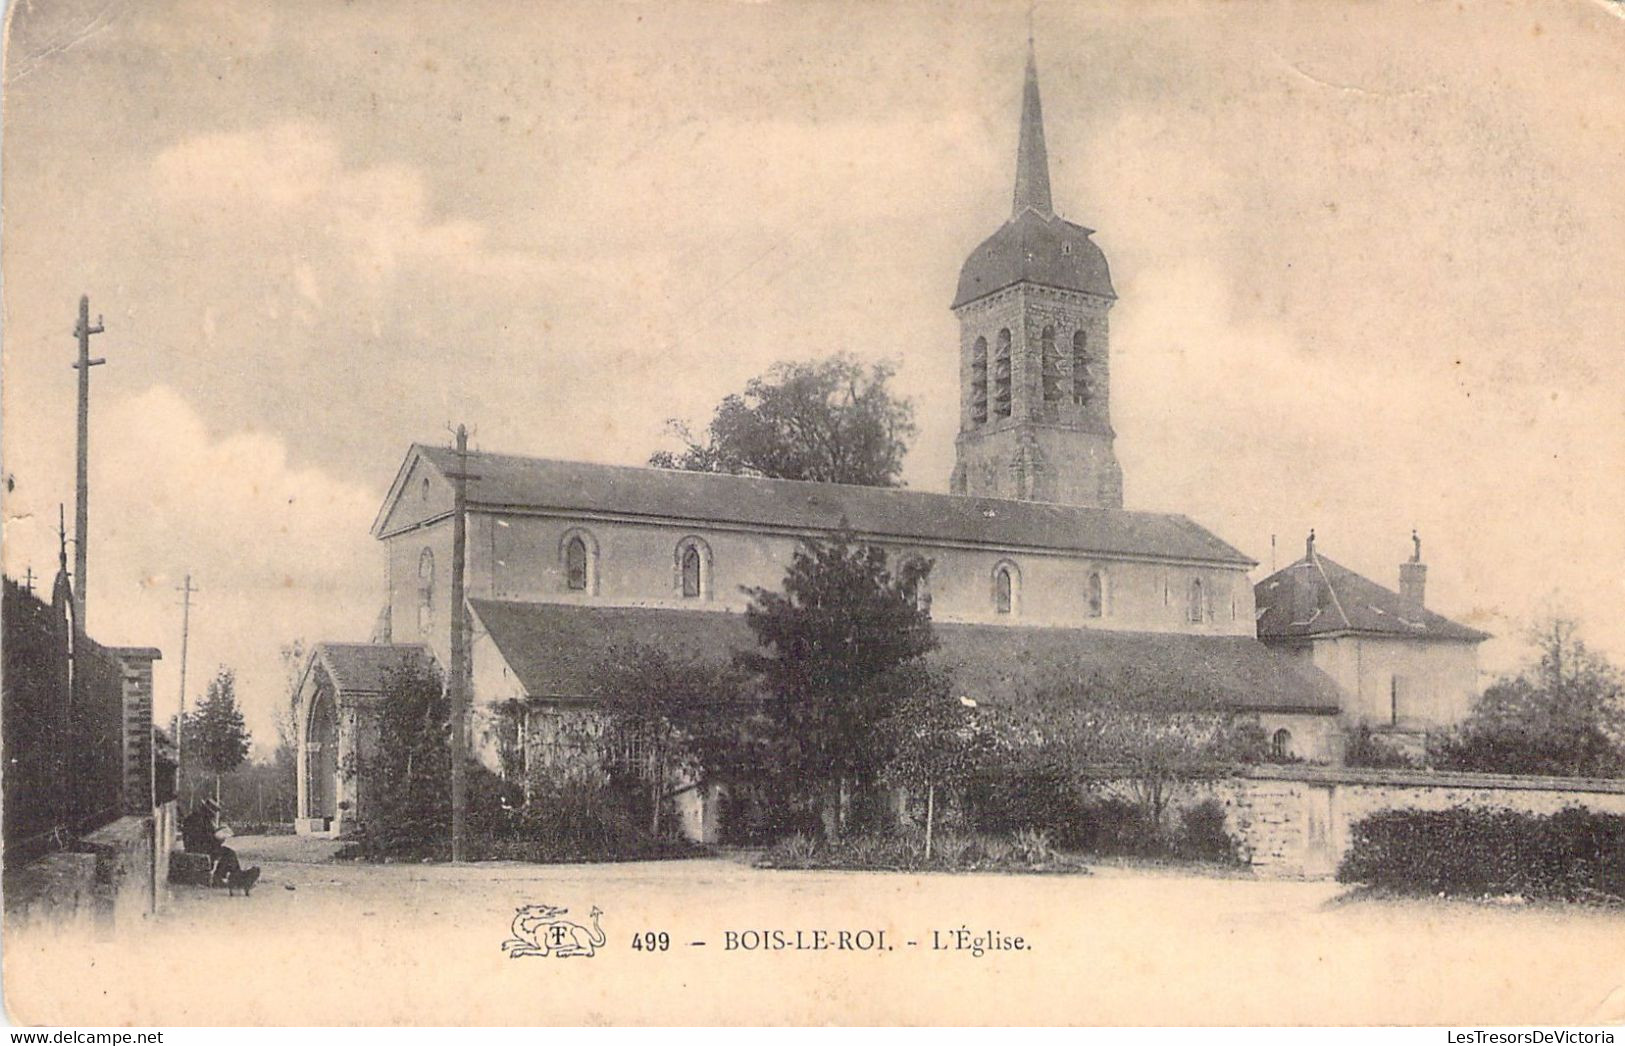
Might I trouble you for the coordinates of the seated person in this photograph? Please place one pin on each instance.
(202, 832)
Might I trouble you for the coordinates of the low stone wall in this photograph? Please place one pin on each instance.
(1296, 821)
(109, 884)
(56, 892)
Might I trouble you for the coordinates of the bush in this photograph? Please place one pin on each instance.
(1203, 836)
(1026, 794)
(1572, 855)
(1366, 749)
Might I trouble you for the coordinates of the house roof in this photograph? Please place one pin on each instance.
(1316, 596)
(555, 651)
(363, 668)
(538, 484)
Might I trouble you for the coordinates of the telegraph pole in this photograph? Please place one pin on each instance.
(187, 591)
(459, 681)
(81, 517)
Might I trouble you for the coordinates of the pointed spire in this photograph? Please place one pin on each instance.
(1032, 159)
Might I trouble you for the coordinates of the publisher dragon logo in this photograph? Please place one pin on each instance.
(541, 929)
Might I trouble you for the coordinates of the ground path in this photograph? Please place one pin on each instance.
(324, 942)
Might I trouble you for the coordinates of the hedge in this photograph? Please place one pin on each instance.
(1574, 854)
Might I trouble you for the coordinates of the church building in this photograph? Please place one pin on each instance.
(1037, 570)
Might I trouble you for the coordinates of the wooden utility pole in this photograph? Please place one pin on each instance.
(187, 591)
(81, 517)
(458, 684)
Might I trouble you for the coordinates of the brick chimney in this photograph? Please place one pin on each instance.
(1413, 576)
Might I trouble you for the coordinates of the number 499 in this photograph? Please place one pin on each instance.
(650, 941)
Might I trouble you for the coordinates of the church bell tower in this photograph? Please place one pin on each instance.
(1034, 366)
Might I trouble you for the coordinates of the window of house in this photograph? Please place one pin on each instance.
(1097, 594)
(575, 564)
(1081, 388)
(1195, 610)
(693, 569)
(978, 382)
(1396, 696)
(425, 590)
(1281, 744)
(1001, 376)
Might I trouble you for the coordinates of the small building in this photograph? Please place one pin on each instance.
(339, 694)
(1402, 669)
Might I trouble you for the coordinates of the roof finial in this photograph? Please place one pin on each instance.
(1309, 546)
(1032, 159)
(1416, 547)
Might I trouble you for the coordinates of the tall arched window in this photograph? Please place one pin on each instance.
(1196, 607)
(1050, 364)
(1001, 376)
(1081, 378)
(1006, 588)
(425, 591)
(1281, 744)
(978, 382)
(578, 560)
(1097, 594)
(575, 564)
(691, 569)
(914, 575)
(691, 573)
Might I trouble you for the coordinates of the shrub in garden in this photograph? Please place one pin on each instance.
(1574, 854)
(1203, 836)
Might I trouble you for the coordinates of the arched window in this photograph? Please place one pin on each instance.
(575, 564)
(691, 573)
(1050, 364)
(1281, 744)
(691, 569)
(1006, 588)
(578, 560)
(1001, 376)
(1082, 389)
(1195, 609)
(1097, 594)
(978, 382)
(914, 576)
(425, 591)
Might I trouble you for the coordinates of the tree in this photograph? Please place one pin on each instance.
(652, 699)
(1564, 715)
(409, 776)
(938, 741)
(830, 421)
(215, 734)
(842, 623)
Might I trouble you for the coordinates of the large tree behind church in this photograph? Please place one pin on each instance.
(830, 421)
(831, 646)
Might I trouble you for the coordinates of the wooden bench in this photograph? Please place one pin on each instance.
(189, 869)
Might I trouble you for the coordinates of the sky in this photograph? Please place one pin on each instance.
(1367, 259)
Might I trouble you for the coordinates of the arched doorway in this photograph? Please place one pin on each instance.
(322, 758)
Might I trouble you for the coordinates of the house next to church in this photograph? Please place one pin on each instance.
(1037, 570)
(1403, 670)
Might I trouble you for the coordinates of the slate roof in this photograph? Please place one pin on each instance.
(1316, 596)
(1032, 247)
(362, 668)
(509, 482)
(555, 649)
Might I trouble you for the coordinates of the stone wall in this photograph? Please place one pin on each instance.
(1296, 821)
(113, 881)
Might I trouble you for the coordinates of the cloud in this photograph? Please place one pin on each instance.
(277, 552)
